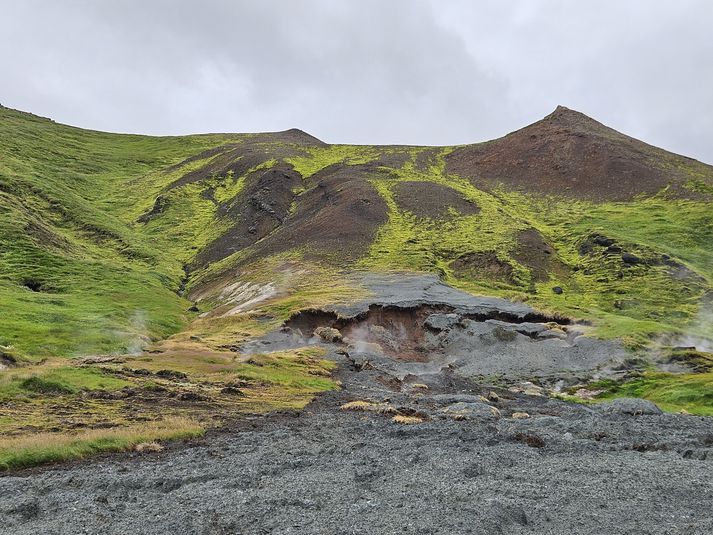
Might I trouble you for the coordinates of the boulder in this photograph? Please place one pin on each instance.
(602, 240)
(629, 258)
(629, 406)
(466, 411)
(441, 322)
(328, 334)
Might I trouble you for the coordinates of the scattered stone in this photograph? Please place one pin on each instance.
(194, 308)
(629, 258)
(492, 396)
(519, 415)
(558, 290)
(466, 411)
(419, 386)
(148, 447)
(328, 334)
(360, 362)
(630, 406)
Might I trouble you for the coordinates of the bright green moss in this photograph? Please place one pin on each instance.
(317, 158)
(671, 392)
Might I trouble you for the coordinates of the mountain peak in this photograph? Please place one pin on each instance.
(569, 153)
(572, 118)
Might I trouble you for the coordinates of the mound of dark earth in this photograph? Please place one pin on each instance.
(434, 201)
(568, 153)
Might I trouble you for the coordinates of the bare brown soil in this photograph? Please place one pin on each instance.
(570, 154)
(429, 200)
(483, 265)
(536, 253)
(337, 218)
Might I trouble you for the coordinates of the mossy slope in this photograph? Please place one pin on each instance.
(107, 241)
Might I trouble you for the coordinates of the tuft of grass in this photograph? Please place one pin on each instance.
(33, 449)
(357, 405)
(407, 420)
(148, 447)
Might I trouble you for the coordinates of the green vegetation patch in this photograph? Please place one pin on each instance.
(315, 159)
(692, 393)
(50, 380)
(651, 280)
(31, 450)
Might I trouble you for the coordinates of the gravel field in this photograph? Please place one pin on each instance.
(565, 469)
(472, 457)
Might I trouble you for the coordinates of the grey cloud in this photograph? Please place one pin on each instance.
(366, 71)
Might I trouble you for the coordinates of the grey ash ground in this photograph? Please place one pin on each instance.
(483, 459)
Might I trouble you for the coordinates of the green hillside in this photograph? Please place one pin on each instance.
(113, 244)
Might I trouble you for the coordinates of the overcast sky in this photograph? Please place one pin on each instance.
(364, 71)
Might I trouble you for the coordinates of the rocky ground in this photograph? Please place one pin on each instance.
(419, 440)
(565, 469)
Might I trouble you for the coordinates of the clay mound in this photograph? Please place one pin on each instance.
(570, 154)
(433, 201)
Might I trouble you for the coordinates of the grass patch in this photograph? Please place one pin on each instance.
(38, 385)
(298, 370)
(671, 392)
(53, 379)
(40, 448)
(316, 158)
